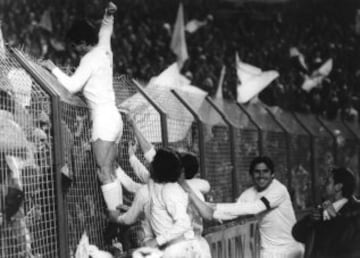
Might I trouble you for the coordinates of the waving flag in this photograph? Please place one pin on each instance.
(193, 25)
(46, 22)
(178, 41)
(208, 114)
(252, 80)
(317, 76)
(2, 44)
(294, 52)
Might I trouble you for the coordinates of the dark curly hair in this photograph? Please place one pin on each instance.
(346, 178)
(166, 166)
(82, 31)
(261, 159)
(190, 164)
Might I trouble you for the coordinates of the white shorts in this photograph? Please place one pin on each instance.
(107, 124)
(185, 249)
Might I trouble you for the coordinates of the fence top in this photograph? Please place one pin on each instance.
(262, 117)
(313, 125)
(51, 82)
(338, 128)
(354, 127)
(288, 121)
(237, 116)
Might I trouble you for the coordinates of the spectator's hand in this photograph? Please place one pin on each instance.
(113, 215)
(132, 147)
(122, 208)
(48, 64)
(329, 208)
(151, 243)
(111, 8)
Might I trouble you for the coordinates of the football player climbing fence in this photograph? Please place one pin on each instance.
(50, 194)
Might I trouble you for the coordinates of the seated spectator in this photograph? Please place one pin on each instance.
(333, 230)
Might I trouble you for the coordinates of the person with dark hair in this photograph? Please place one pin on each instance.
(168, 217)
(94, 77)
(190, 165)
(269, 200)
(333, 228)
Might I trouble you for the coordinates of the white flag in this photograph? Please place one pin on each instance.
(46, 22)
(2, 44)
(317, 76)
(294, 52)
(193, 25)
(178, 41)
(252, 80)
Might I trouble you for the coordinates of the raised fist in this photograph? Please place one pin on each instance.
(111, 8)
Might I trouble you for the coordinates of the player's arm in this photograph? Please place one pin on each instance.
(107, 26)
(75, 82)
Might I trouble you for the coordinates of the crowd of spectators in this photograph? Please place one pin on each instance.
(261, 34)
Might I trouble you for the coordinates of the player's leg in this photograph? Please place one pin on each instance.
(105, 152)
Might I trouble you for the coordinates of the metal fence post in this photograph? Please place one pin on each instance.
(200, 125)
(288, 149)
(57, 152)
(335, 146)
(163, 116)
(235, 177)
(258, 128)
(314, 180)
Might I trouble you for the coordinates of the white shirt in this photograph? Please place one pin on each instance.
(276, 220)
(141, 198)
(168, 208)
(95, 73)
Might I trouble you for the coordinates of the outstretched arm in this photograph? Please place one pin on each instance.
(107, 26)
(75, 82)
(206, 210)
(146, 146)
(139, 169)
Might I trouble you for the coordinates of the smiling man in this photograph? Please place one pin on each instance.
(270, 201)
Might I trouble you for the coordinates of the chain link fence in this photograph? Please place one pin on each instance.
(299, 158)
(28, 197)
(50, 193)
(347, 146)
(274, 140)
(323, 150)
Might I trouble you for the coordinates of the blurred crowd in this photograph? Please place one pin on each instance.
(261, 34)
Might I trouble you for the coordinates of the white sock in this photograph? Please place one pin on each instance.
(113, 195)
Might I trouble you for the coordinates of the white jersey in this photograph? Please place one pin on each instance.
(276, 218)
(94, 77)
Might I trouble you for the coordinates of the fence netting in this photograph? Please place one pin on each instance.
(28, 202)
(299, 146)
(347, 147)
(217, 151)
(354, 128)
(274, 139)
(246, 142)
(323, 148)
(299, 155)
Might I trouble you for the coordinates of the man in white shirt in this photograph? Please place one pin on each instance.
(94, 78)
(270, 201)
